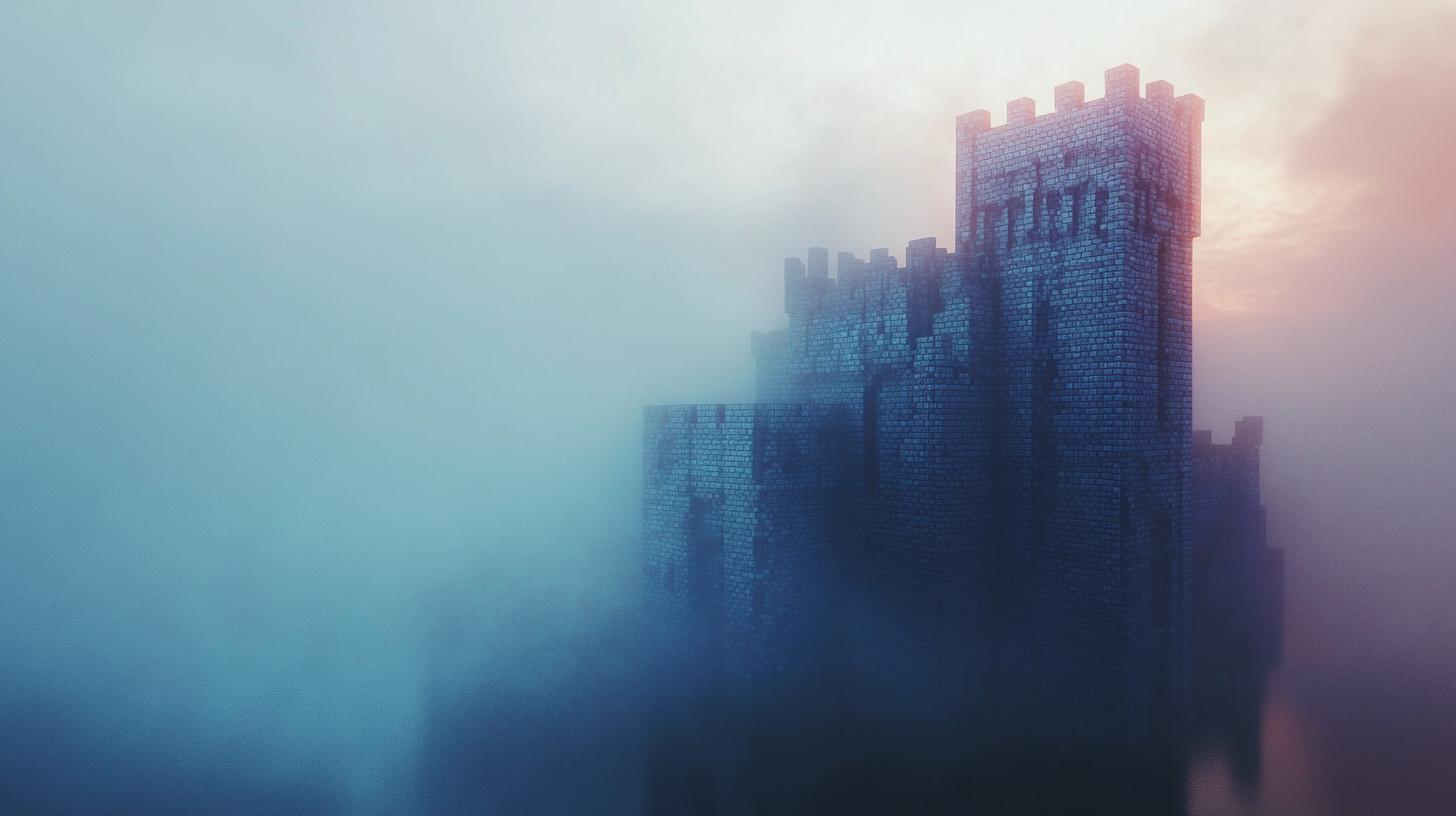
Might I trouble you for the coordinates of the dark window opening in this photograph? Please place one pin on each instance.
(871, 437)
(1077, 193)
(1101, 212)
(1164, 342)
(704, 557)
(1048, 377)
(1163, 579)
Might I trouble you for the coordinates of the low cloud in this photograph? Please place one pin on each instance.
(1342, 339)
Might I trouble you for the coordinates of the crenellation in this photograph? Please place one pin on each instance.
(882, 262)
(1160, 92)
(1190, 106)
(920, 254)
(972, 122)
(1120, 84)
(849, 270)
(818, 263)
(1249, 433)
(1021, 111)
(1069, 96)
(795, 286)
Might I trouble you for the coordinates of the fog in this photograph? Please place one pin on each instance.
(1348, 354)
(324, 336)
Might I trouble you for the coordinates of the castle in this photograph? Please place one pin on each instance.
(969, 500)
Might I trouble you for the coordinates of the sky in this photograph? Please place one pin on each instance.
(325, 329)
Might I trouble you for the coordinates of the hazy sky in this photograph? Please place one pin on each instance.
(324, 331)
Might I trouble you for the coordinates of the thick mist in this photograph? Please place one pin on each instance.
(324, 336)
(1347, 353)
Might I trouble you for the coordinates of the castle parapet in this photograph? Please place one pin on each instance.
(1021, 111)
(818, 263)
(805, 287)
(920, 255)
(849, 270)
(1160, 92)
(1249, 433)
(1121, 87)
(1070, 96)
(1120, 84)
(878, 286)
(793, 284)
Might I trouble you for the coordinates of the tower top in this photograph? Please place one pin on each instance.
(1120, 87)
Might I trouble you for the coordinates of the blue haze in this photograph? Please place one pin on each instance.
(323, 339)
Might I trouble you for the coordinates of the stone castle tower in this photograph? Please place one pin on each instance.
(963, 499)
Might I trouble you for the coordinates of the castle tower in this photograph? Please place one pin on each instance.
(1078, 225)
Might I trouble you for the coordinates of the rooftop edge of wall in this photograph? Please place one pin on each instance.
(1248, 436)
(1121, 88)
(809, 288)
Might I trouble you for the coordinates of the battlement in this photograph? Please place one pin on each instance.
(1248, 437)
(1120, 88)
(1249, 433)
(847, 265)
(810, 292)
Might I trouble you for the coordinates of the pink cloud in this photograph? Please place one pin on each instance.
(1378, 177)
